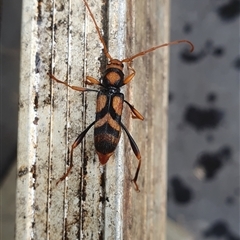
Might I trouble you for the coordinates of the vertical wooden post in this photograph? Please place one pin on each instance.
(95, 202)
(145, 211)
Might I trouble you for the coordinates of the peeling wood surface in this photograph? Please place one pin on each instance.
(95, 202)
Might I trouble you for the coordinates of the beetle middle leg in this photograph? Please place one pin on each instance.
(135, 112)
(75, 144)
(137, 154)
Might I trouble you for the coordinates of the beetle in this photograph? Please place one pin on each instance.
(109, 105)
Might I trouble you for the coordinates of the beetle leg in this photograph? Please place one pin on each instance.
(75, 144)
(130, 77)
(137, 154)
(92, 81)
(135, 112)
(80, 89)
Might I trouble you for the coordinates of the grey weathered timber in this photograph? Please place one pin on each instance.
(94, 202)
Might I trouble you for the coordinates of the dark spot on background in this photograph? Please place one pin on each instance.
(233, 198)
(170, 97)
(210, 138)
(218, 51)
(229, 11)
(192, 57)
(180, 192)
(211, 97)
(217, 229)
(210, 48)
(229, 200)
(203, 118)
(212, 162)
(209, 44)
(187, 28)
(236, 63)
(220, 230)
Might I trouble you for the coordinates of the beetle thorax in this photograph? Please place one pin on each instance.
(113, 76)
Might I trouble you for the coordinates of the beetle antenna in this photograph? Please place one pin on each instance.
(99, 33)
(156, 47)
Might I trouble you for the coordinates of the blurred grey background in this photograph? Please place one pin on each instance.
(10, 28)
(203, 152)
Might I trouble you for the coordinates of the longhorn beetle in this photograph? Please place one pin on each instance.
(107, 124)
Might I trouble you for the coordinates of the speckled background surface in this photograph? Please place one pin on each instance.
(203, 152)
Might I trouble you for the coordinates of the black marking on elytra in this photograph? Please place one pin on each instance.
(106, 129)
(108, 110)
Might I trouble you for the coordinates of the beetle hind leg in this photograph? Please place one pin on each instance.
(75, 144)
(137, 154)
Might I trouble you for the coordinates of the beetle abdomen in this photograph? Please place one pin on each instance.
(107, 130)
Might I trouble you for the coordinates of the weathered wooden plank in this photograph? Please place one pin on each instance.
(94, 202)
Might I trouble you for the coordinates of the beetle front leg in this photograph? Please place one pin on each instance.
(131, 76)
(76, 88)
(75, 144)
(92, 81)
